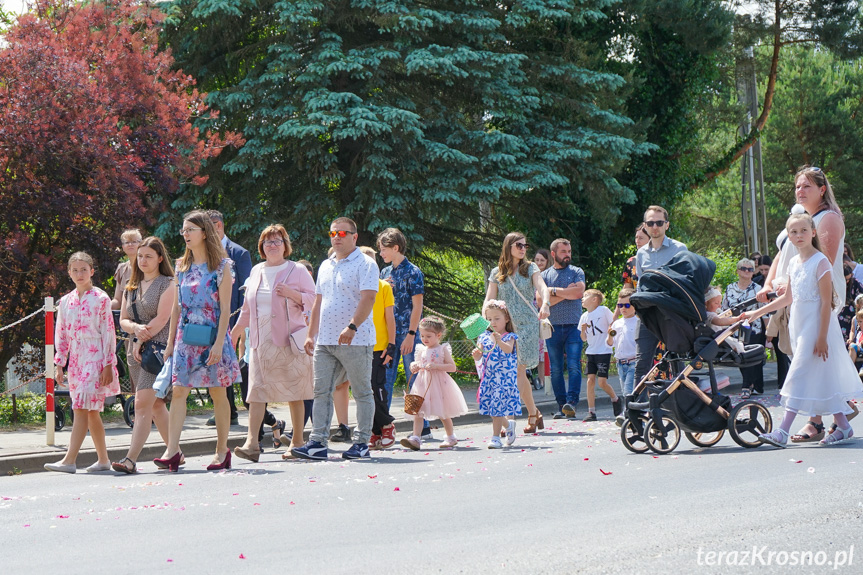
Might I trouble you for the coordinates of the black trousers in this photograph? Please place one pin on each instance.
(753, 377)
(783, 363)
(645, 351)
(379, 390)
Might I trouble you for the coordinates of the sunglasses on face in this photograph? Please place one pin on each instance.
(626, 305)
(653, 223)
(340, 233)
(746, 269)
(522, 245)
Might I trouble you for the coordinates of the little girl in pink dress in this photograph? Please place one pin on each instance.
(86, 348)
(443, 398)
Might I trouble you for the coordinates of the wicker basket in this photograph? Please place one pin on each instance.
(413, 403)
(474, 325)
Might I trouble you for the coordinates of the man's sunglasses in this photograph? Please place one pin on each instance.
(340, 233)
(653, 223)
(626, 305)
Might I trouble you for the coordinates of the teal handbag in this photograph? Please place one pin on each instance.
(199, 335)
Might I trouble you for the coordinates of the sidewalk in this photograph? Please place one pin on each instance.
(24, 451)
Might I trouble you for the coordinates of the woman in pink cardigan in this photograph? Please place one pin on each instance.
(278, 292)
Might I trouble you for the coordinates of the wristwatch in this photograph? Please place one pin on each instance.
(352, 326)
(412, 332)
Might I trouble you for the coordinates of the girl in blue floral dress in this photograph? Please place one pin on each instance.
(204, 279)
(497, 366)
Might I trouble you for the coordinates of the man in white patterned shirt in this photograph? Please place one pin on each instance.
(341, 319)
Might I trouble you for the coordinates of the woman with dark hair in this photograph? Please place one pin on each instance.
(279, 292)
(515, 275)
(630, 278)
(198, 341)
(144, 314)
(542, 259)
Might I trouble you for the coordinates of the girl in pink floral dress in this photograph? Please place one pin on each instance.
(85, 343)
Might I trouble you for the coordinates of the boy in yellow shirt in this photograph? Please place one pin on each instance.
(383, 430)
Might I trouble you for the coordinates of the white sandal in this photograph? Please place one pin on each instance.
(838, 436)
(777, 438)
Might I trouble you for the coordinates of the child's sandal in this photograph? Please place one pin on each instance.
(838, 436)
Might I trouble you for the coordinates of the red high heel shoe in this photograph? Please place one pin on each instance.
(225, 464)
(171, 464)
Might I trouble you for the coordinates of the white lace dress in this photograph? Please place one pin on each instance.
(815, 386)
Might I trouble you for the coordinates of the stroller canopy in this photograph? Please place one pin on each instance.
(670, 299)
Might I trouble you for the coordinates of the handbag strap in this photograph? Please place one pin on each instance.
(524, 299)
(131, 304)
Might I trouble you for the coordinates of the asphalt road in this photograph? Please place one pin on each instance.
(570, 500)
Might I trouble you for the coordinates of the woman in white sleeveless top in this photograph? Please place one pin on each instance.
(814, 194)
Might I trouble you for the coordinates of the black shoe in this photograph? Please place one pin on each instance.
(559, 415)
(212, 421)
(568, 410)
(591, 416)
(617, 406)
(343, 435)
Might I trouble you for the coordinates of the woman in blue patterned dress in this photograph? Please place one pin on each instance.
(496, 364)
(204, 277)
(515, 275)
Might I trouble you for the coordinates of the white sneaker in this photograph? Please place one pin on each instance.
(98, 467)
(510, 432)
(61, 467)
(495, 443)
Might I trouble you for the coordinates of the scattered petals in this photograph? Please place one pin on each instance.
(373, 476)
(811, 470)
(605, 472)
(242, 556)
(67, 517)
(396, 489)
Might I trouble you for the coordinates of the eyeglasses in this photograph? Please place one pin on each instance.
(133, 243)
(275, 243)
(626, 305)
(653, 223)
(185, 231)
(340, 233)
(746, 269)
(522, 245)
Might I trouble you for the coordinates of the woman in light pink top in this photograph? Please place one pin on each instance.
(278, 292)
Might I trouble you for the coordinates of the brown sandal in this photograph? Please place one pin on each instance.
(530, 427)
(802, 437)
(540, 424)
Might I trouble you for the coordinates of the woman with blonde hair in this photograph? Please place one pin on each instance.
(516, 281)
(278, 293)
(198, 339)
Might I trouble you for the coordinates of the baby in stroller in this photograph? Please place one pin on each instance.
(717, 322)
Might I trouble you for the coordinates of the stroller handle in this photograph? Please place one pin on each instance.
(744, 305)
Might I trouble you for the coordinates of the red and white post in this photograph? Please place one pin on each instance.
(49, 371)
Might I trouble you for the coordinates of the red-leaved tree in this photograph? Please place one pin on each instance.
(96, 135)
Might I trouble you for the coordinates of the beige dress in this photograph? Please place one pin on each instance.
(276, 374)
(147, 307)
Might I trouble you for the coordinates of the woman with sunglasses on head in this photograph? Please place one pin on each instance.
(198, 338)
(814, 195)
(630, 277)
(736, 293)
(516, 272)
(278, 292)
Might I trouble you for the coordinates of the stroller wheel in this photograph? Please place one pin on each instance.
(59, 417)
(662, 435)
(129, 411)
(632, 434)
(704, 439)
(748, 419)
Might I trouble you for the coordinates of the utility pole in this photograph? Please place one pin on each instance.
(752, 209)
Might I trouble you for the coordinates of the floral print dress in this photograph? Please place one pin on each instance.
(199, 304)
(86, 337)
(498, 372)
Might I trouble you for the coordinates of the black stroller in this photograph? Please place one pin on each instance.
(670, 302)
